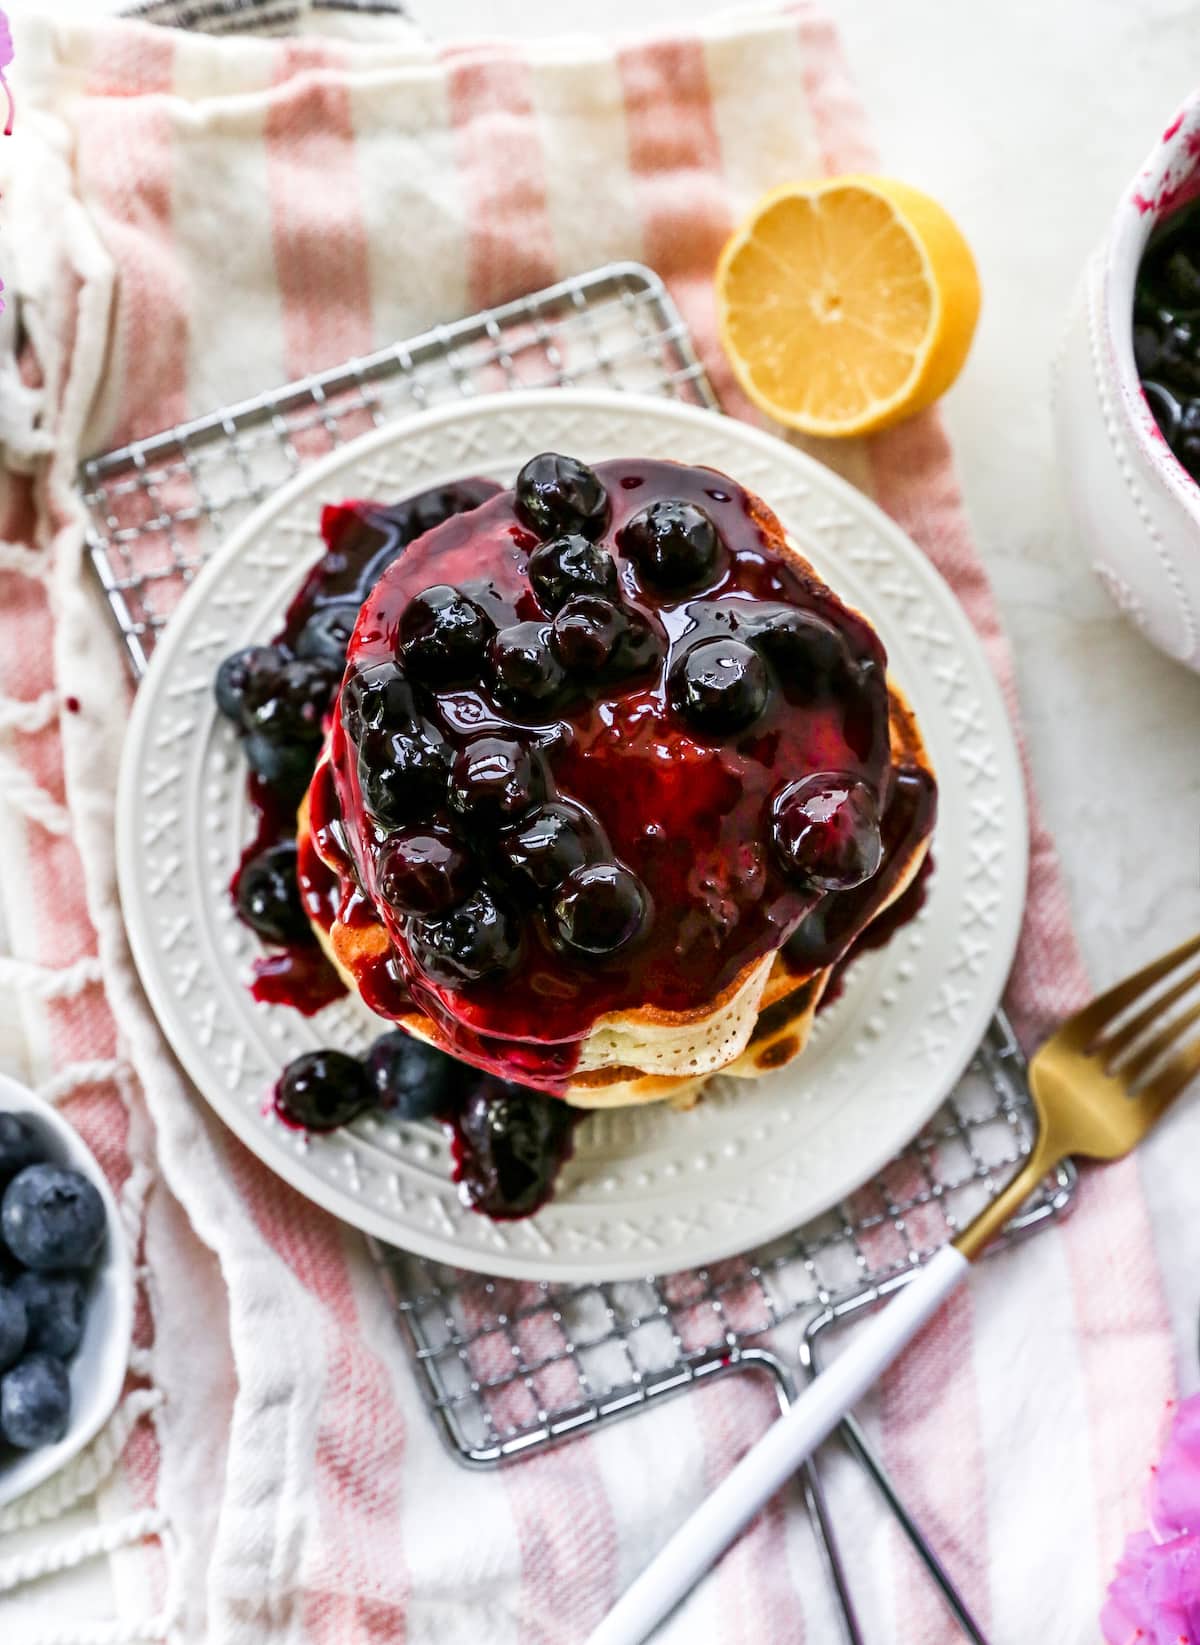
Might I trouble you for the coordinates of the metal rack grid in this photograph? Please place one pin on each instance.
(508, 1368)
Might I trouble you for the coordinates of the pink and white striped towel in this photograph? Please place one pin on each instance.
(189, 220)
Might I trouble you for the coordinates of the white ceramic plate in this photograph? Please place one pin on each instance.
(648, 1190)
(98, 1368)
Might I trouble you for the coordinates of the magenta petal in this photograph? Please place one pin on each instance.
(1175, 1489)
(1154, 1598)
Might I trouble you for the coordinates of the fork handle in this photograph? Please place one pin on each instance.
(701, 1540)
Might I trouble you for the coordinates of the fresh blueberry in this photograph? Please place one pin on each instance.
(720, 685)
(35, 1403)
(257, 662)
(20, 1146)
(403, 774)
(268, 895)
(320, 1090)
(598, 909)
(477, 940)
(1166, 408)
(548, 844)
(512, 1142)
(585, 633)
(495, 780)
(571, 565)
(557, 494)
(285, 767)
(674, 545)
(525, 670)
(826, 830)
(377, 698)
(443, 634)
(424, 871)
(326, 634)
(14, 1328)
(52, 1218)
(413, 1080)
(54, 1307)
(290, 705)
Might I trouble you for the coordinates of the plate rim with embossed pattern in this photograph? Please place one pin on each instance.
(649, 1190)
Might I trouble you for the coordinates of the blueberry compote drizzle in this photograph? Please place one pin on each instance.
(507, 1142)
(278, 696)
(1166, 333)
(629, 647)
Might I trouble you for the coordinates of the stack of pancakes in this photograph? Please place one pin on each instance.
(754, 1024)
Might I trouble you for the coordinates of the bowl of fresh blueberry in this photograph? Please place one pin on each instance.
(1127, 397)
(66, 1293)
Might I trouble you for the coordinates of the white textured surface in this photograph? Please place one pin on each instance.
(1026, 120)
(647, 1190)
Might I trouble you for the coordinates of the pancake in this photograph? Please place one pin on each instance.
(751, 1017)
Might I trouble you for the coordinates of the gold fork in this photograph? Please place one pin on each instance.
(1099, 1085)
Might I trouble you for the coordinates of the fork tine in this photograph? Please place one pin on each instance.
(1086, 1024)
(1112, 1046)
(1153, 1099)
(1147, 1055)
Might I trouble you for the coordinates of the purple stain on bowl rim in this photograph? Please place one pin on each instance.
(6, 57)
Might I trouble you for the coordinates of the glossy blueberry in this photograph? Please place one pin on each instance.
(525, 671)
(443, 633)
(424, 871)
(320, 1090)
(257, 662)
(547, 845)
(555, 494)
(285, 767)
(432, 508)
(495, 780)
(825, 829)
(290, 704)
(640, 648)
(326, 634)
(511, 1143)
(415, 1081)
(35, 1403)
(54, 1309)
(14, 1327)
(720, 686)
(377, 698)
(403, 774)
(52, 1218)
(808, 652)
(268, 896)
(20, 1146)
(598, 909)
(571, 565)
(1183, 279)
(674, 545)
(585, 632)
(477, 940)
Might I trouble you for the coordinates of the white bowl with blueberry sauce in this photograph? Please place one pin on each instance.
(1127, 397)
(66, 1293)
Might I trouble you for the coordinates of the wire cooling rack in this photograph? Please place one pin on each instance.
(511, 1368)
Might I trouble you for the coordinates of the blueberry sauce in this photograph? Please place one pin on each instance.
(708, 671)
(278, 696)
(1166, 333)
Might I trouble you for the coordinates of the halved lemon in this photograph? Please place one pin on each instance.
(848, 304)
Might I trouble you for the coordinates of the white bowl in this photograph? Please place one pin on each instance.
(1136, 507)
(98, 1369)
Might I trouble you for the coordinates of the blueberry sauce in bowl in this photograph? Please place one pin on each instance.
(1166, 333)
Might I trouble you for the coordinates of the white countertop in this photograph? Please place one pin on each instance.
(1026, 120)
